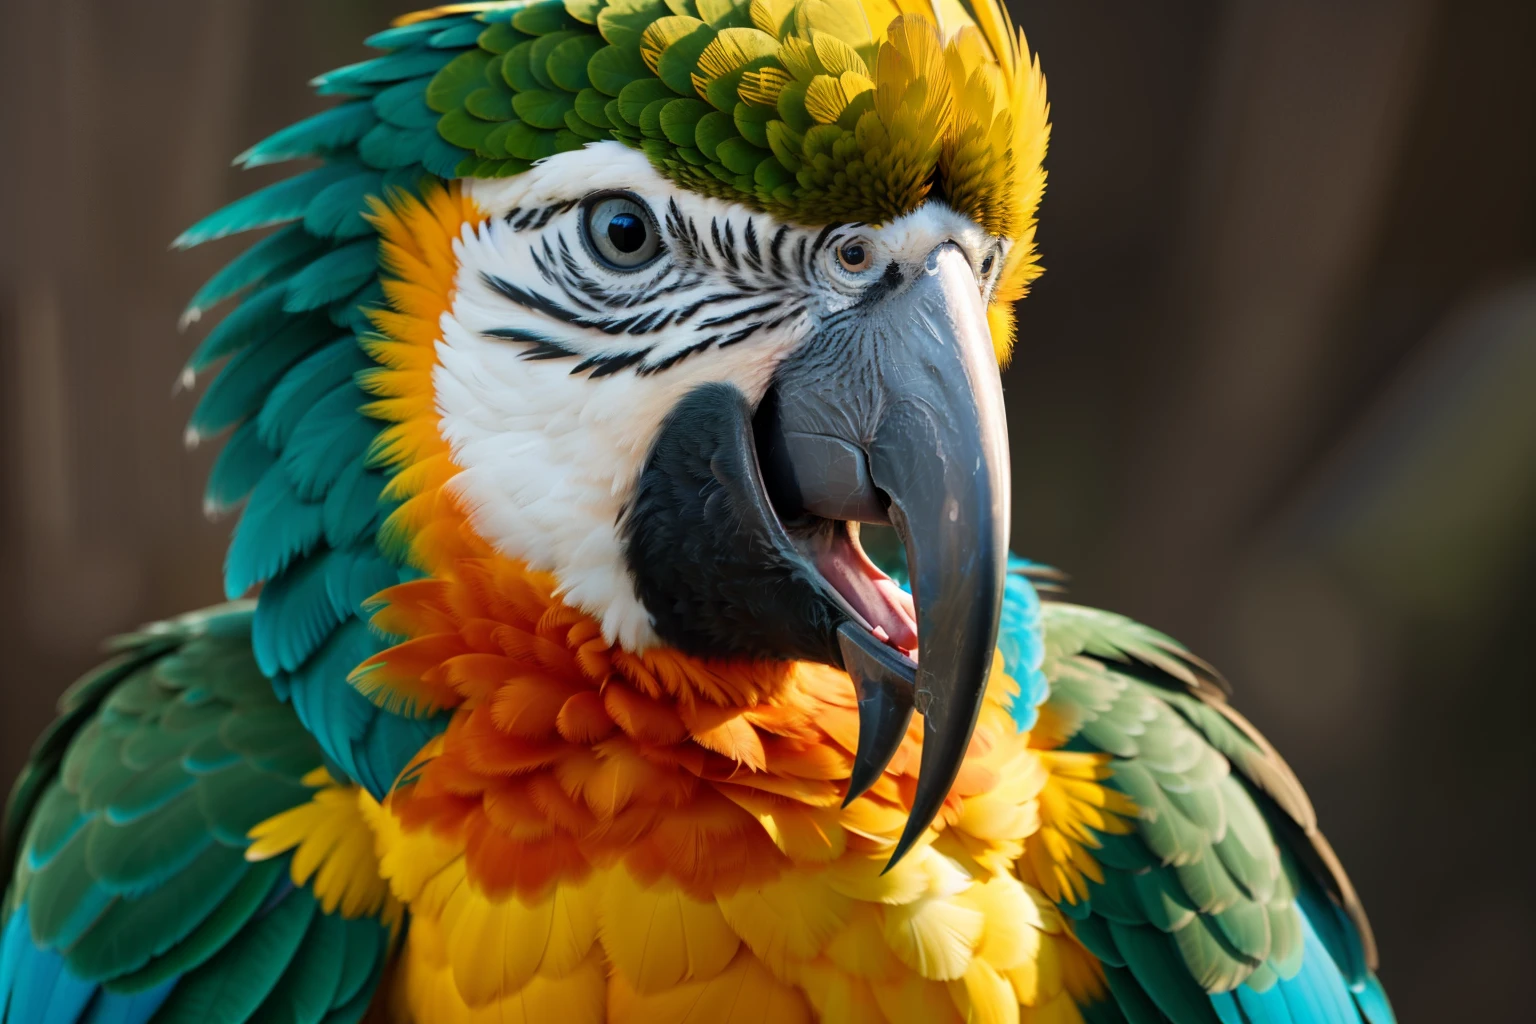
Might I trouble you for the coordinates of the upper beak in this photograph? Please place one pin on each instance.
(894, 413)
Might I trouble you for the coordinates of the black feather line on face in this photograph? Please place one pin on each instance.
(541, 347)
(744, 264)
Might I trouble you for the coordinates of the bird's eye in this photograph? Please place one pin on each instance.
(854, 257)
(621, 233)
(986, 264)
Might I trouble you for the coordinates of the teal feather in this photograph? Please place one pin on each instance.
(354, 1011)
(34, 986)
(1093, 932)
(1106, 1011)
(156, 912)
(305, 383)
(307, 991)
(151, 790)
(405, 105)
(229, 987)
(1205, 913)
(461, 36)
(138, 1008)
(295, 615)
(333, 276)
(327, 132)
(1132, 998)
(336, 715)
(279, 202)
(1022, 643)
(1155, 964)
(128, 860)
(442, 159)
(358, 965)
(407, 179)
(355, 577)
(332, 435)
(62, 897)
(351, 509)
(352, 311)
(255, 318)
(1371, 998)
(338, 211)
(54, 822)
(1332, 927)
(249, 891)
(238, 392)
(369, 744)
(275, 528)
(387, 146)
(272, 258)
(407, 35)
(232, 806)
(363, 79)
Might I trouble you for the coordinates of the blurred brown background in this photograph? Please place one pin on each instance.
(1276, 394)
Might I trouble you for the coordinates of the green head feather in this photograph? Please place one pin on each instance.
(815, 111)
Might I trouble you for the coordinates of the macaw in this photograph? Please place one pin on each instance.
(573, 405)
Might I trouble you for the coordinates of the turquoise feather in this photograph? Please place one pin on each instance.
(295, 617)
(270, 259)
(441, 159)
(1022, 643)
(362, 79)
(327, 132)
(255, 318)
(275, 528)
(253, 963)
(149, 909)
(329, 438)
(337, 212)
(336, 275)
(279, 202)
(355, 577)
(351, 313)
(388, 146)
(249, 892)
(303, 385)
(405, 105)
(249, 944)
(458, 36)
(351, 510)
(403, 36)
(1205, 912)
(239, 391)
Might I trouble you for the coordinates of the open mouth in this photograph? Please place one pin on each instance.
(834, 546)
(875, 599)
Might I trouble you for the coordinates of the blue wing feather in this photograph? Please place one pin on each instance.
(1206, 781)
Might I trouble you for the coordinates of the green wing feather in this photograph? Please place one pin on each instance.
(1208, 893)
(126, 835)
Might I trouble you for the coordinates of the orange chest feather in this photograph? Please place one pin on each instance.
(566, 754)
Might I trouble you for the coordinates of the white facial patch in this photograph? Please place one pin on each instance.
(556, 369)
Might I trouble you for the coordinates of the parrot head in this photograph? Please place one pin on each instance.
(717, 284)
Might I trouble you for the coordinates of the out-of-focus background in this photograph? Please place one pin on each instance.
(1276, 394)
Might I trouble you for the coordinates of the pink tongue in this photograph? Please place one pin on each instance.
(885, 606)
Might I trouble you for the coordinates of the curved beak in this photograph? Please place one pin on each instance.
(894, 413)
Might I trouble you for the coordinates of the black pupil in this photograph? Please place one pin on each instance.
(986, 265)
(853, 254)
(627, 232)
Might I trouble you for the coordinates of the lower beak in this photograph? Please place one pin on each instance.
(894, 413)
